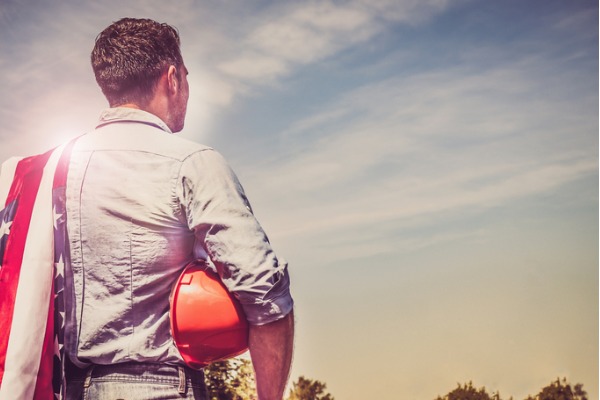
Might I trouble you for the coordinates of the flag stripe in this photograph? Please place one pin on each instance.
(7, 177)
(43, 383)
(15, 245)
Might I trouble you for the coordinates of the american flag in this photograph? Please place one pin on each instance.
(33, 254)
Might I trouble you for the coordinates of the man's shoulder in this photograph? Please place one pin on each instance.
(181, 148)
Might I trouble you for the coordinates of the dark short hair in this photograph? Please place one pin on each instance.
(129, 57)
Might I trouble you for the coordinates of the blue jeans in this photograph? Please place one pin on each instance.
(136, 381)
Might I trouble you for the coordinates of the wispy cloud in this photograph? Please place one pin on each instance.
(428, 146)
(295, 34)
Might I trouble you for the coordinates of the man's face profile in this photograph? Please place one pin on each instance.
(183, 95)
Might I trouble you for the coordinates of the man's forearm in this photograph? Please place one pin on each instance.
(271, 348)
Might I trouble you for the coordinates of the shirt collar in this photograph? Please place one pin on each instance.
(126, 114)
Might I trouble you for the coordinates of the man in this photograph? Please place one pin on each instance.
(141, 204)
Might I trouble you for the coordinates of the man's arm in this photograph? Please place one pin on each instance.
(271, 348)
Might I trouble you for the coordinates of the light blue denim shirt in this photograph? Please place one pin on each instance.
(141, 204)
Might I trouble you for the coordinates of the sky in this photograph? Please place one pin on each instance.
(428, 168)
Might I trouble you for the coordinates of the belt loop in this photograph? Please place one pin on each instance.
(182, 380)
(88, 377)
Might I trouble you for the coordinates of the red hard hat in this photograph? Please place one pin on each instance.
(207, 322)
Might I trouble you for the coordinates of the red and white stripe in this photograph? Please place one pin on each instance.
(26, 279)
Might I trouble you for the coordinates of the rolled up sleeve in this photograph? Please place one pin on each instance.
(230, 238)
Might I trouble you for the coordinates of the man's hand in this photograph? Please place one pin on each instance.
(271, 348)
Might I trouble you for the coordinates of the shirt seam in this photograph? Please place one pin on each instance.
(178, 159)
(178, 200)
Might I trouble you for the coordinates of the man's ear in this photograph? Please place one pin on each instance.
(172, 80)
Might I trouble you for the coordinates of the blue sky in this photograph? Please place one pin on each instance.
(428, 168)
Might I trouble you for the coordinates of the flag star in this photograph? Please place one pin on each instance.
(56, 217)
(5, 228)
(56, 346)
(60, 265)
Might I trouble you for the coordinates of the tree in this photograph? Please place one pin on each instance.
(234, 380)
(307, 389)
(469, 392)
(230, 380)
(244, 385)
(558, 390)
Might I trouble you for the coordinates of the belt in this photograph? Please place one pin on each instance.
(177, 373)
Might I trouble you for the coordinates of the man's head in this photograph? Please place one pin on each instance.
(132, 57)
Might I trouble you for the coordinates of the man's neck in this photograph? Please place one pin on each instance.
(130, 105)
(155, 107)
